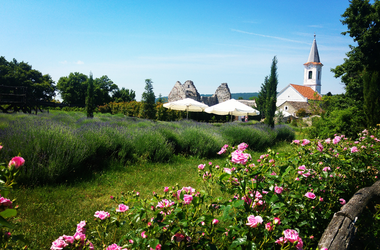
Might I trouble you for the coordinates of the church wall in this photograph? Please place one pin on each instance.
(290, 94)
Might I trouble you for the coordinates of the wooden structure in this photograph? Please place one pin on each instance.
(341, 230)
(15, 99)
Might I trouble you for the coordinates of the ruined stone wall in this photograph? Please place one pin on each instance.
(188, 90)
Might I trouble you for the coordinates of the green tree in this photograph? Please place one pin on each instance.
(271, 89)
(124, 95)
(73, 89)
(148, 100)
(361, 68)
(371, 91)
(90, 100)
(262, 98)
(38, 87)
(104, 88)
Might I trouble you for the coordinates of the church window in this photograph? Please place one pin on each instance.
(310, 74)
(286, 108)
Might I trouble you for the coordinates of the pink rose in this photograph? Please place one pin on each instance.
(215, 221)
(310, 195)
(276, 221)
(291, 235)
(278, 190)
(102, 215)
(79, 236)
(268, 226)
(143, 235)
(5, 202)
(113, 247)
(354, 150)
(178, 237)
(342, 201)
(242, 146)
(201, 166)
(165, 203)
(336, 139)
(58, 244)
(122, 208)
(187, 198)
(254, 221)
(328, 140)
(80, 227)
(239, 157)
(305, 142)
(166, 189)
(296, 141)
(17, 162)
(320, 147)
(325, 169)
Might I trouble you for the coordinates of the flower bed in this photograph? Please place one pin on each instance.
(274, 202)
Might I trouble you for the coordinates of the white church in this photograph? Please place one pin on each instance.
(294, 97)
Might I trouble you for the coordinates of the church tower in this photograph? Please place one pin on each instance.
(313, 69)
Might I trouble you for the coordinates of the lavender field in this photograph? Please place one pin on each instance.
(59, 145)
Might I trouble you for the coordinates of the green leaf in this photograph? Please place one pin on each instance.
(4, 223)
(302, 223)
(224, 177)
(238, 203)
(8, 213)
(238, 241)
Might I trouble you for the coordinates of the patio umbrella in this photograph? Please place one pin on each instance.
(187, 105)
(232, 107)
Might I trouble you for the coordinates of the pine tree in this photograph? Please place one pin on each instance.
(148, 100)
(271, 94)
(90, 100)
(262, 98)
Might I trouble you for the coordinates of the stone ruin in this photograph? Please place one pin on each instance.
(188, 90)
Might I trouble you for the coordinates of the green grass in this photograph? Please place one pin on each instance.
(47, 212)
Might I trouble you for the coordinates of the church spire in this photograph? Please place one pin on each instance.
(313, 69)
(314, 55)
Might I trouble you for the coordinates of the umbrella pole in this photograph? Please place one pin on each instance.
(187, 114)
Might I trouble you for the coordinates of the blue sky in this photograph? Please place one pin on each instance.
(208, 42)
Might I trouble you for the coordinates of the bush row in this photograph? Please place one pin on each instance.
(59, 144)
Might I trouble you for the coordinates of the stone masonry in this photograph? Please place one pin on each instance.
(188, 90)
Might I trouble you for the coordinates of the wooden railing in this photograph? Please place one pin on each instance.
(341, 230)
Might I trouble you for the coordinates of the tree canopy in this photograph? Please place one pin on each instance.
(38, 87)
(73, 90)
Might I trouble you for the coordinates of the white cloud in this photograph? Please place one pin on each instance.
(274, 37)
(315, 26)
(79, 62)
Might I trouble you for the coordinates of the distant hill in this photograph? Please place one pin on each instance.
(245, 96)
(236, 96)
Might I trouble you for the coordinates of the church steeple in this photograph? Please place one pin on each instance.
(313, 69)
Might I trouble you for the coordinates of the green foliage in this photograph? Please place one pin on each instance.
(371, 91)
(349, 121)
(271, 94)
(148, 100)
(90, 102)
(298, 190)
(262, 97)
(124, 95)
(38, 87)
(73, 89)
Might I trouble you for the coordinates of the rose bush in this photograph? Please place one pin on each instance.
(274, 202)
(8, 175)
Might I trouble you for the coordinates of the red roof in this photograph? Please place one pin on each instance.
(307, 92)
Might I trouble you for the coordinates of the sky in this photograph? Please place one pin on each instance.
(208, 42)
